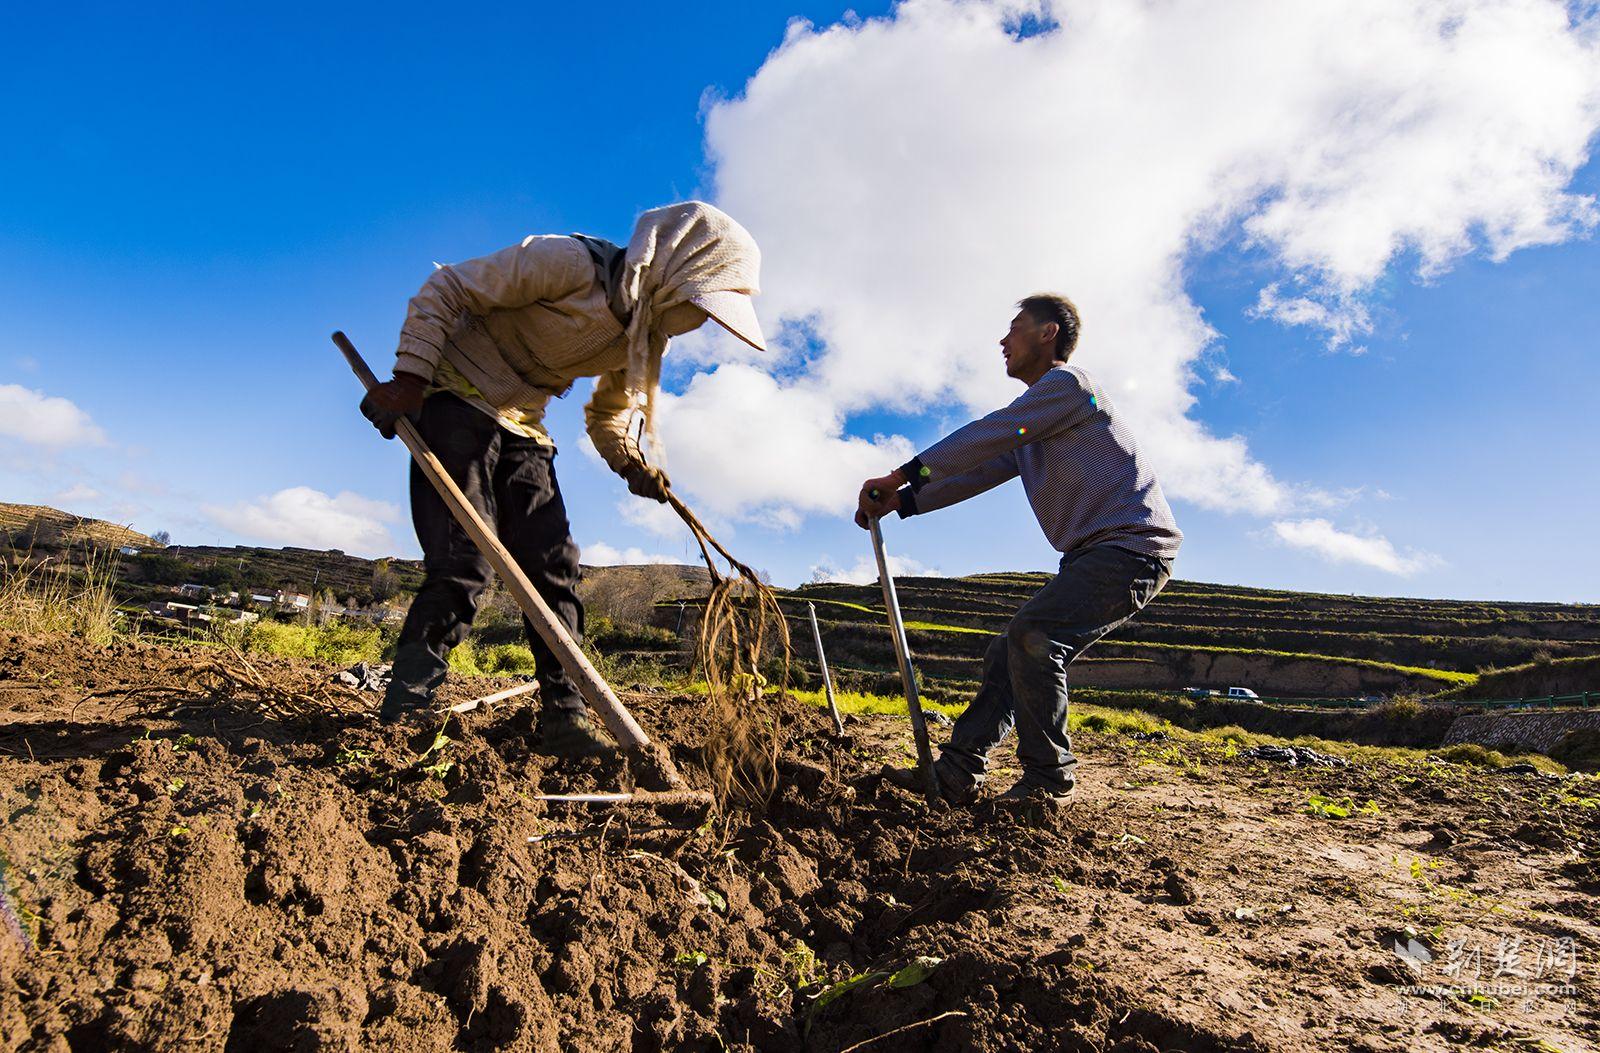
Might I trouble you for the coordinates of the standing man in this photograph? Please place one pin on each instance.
(485, 345)
(1100, 506)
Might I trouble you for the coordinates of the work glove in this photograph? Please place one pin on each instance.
(647, 481)
(386, 403)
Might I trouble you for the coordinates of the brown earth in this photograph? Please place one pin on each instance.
(206, 879)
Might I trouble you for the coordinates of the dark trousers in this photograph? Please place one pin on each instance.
(511, 481)
(1025, 670)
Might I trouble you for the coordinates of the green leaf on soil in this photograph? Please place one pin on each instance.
(913, 974)
(833, 992)
(1329, 808)
(714, 898)
(694, 958)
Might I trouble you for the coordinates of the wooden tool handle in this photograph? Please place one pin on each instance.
(590, 683)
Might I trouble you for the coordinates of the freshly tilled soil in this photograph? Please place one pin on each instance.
(185, 874)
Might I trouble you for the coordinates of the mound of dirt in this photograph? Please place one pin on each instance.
(202, 878)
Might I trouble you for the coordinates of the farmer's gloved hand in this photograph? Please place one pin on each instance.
(879, 497)
(393, 399)
(647, 481)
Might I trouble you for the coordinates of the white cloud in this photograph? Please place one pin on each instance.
(748, 443)
(310, 518)
(910, 177)
(45, 420)
(77, 493)
(600, 554)
(1342, 321)
(654, 518)
(865, 570)
(1339, 546)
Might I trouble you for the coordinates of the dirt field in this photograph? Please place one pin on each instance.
(210, 880)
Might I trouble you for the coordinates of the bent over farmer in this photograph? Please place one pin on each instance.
(1101, 507)
(485, 345)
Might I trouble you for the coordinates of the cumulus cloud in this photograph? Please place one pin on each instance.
(600, 554)
(754, 444)
(77, 493)
(310, 518)
(909, 177)
(866, 570)
(1321, 537)
(45, 420)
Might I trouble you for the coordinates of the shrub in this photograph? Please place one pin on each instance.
(337, 642)
(1579, 749)
(1115, 722)
(1398, 708)
(1232, 733)
(505, 658)
(1473, 754)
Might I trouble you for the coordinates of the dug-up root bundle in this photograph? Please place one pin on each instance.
(742, 625)
(235, 682)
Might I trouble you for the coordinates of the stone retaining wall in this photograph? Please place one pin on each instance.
(1519, 732)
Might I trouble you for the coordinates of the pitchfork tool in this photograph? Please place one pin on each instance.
(908, 677)
(827, 680)
(593, 687)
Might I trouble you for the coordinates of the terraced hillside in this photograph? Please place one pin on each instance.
(1279, 643)
(26, 525)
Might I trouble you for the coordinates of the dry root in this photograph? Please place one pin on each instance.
(742, 625)
(235, 681)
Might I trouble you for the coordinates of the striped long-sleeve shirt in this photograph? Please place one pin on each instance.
(1082, 470)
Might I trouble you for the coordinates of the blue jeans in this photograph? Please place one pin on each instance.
(1025, 670)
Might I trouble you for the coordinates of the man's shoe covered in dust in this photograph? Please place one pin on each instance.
(954, 787)
(564, 733)
(1027, 789)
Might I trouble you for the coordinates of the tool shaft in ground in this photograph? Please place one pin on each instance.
(590, 683)
(822, 660)
(902, 653)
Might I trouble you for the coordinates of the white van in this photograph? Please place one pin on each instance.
(1243, 692)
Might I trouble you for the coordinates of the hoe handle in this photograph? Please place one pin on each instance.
(590, 683)
(902, 653)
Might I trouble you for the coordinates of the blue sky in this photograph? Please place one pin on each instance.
(192, 199)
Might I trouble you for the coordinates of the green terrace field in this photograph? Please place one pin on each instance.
(1277, 643)
(1283, 644)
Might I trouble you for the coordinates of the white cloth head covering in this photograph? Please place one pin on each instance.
(690, 252)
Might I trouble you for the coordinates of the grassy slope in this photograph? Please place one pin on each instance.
(75, 529)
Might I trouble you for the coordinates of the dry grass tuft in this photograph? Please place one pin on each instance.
(56, 596)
